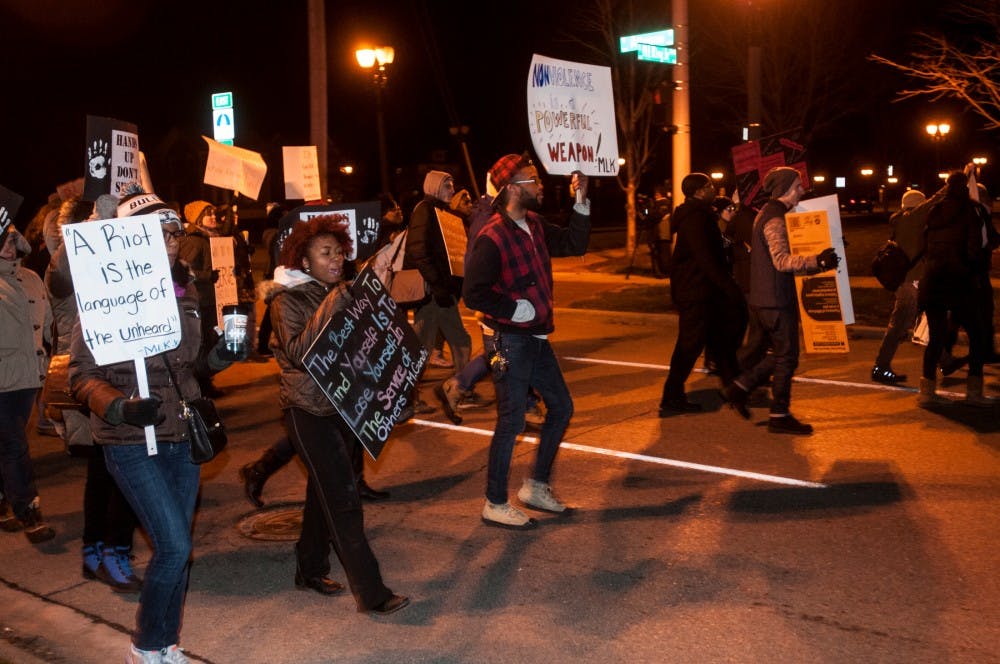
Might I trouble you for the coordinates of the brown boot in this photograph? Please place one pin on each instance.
(974, 393)
(927, 394)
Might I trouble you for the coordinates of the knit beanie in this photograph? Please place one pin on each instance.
(912, 198)
(195, 210)
(132, 205)
(692, 182)
(433, 181)
(779, 180)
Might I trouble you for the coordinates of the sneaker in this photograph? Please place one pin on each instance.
(136, 656)
(737, 398)
(505, 515)
(421, 407)
(788, 424)
(887, 376)
(539, 495)
(472, 399)
(8, 521)
(448, 393)
(679, 404)
(34, 525)
(91, 559)
(535, 416)
(173, 655)
(116, 570)
(437, 359)
(950, 364)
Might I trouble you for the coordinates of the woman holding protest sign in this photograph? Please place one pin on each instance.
(161, 488)
(308, 289)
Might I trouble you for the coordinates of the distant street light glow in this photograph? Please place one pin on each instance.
(867, 171)
(819, 178)
(716, 175)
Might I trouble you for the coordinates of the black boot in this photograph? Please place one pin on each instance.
(255, 475)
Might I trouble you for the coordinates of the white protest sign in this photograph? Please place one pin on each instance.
(836, 240)
(234, 168)
(223, 261)
(352, 225)
(301, 168)
(124, 292)
(571, 117)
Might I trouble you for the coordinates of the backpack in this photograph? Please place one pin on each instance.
(891, 264)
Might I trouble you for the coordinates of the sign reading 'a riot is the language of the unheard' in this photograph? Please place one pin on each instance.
(367, 361)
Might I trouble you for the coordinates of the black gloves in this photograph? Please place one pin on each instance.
(136, 411)
(221, 356)
(215, 276)
(444, 300)
(828, 259)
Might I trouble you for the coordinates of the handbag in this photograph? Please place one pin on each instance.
(205, 428)
(55, 390)
(891, 264)
(406, 287)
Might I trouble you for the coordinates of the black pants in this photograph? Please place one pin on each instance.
(718, 325)
(107, 516)
(333, 511)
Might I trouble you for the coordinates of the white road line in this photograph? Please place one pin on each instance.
(718, 470)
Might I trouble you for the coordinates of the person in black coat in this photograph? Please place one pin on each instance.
(710, 304)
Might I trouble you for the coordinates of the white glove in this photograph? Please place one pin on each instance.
(525, 311)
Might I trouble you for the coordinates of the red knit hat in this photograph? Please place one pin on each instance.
(502, 171)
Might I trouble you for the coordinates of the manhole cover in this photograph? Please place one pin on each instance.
(280, 522)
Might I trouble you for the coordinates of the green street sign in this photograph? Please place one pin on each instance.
(663, 54)
(222, 100)
(632, 43)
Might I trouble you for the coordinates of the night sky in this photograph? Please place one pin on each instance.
(155, 64)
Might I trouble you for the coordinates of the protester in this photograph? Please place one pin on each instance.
(509, 280)
(108, 521)
(163, 488)
(709, 302)
(775, 303)
(309, 290)
(25, 325)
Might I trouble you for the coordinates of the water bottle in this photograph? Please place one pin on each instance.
(234, 327)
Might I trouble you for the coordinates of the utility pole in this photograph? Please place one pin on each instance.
(316, 24)
(681, 142)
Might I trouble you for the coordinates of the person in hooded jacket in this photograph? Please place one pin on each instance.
(308, 289)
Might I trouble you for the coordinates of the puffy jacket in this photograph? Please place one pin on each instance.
(300, 307)
(98, 386)
(25, 322)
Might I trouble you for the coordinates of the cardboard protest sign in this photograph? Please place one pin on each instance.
(571, 117)
(821, 308)
(367, 360)
(301, 168)
(124, 293)
(455, 240)
(10, 203)
(224, 261)
(830, 205)
(234, 168)
(112, 159)
(363, 223)
(752, 161)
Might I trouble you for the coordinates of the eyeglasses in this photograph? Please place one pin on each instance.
(730, 208)
(173, 235)
(536, 180)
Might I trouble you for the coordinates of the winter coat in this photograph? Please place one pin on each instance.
(98, 386)
(955, 239)
(300, 307)
(699, 271)
(426, 251)
(25, 323)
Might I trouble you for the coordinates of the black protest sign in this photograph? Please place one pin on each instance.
(367, 360)
(363, 223)
(752, 161)
(10, 203)
(112, 159)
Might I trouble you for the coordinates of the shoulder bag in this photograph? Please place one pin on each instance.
(891, 264)
(205, 428)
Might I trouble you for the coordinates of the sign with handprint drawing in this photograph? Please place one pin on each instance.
(112, 159)
(9, 204)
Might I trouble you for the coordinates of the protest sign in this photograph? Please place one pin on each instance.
(124, 293)
(455, 240)
(367, 360)
(752, 161)
(821, 308)
(571, 117)
(301, 168)
(234, 168)
(831, 206)
(10, 203)
(363, 223)
(224, 261)
(112, 159)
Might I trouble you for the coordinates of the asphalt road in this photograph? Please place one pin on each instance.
(696, 538)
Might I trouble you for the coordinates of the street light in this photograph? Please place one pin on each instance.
(937, 131)
(376, 60)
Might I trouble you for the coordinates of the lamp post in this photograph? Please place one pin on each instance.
(937, 131)
(376, 59)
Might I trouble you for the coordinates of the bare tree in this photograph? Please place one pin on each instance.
(970, 73)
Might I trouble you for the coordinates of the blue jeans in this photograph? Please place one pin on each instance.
(16, 470)
(162, 490)
(478, 368)
(531, 363)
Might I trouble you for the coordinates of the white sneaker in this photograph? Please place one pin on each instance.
(136, 656)
(173, 655)
(539, 495)
(506, 515)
